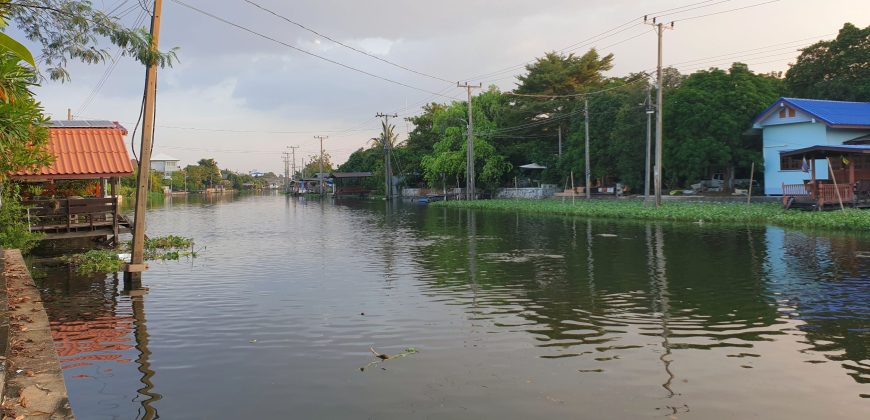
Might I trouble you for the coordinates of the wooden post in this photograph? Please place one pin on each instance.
(574, 190)
(851, 172)
(837, 189)
(751, 178)
(137, 261)
(813, 175)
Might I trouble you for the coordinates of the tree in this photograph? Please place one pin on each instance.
(313, 165)
(209, 171)
(705, 119)
(838, 69)
(449, 155)
(23, 132)
(73, 30)
(539, 119)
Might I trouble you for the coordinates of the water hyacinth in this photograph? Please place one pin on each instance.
(733, 213)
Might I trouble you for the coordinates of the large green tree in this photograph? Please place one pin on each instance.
(705, 119)
(449, 153)
(838, 69)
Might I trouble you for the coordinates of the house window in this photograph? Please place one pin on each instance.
(791, 112)
(790, 163)
(782, 113)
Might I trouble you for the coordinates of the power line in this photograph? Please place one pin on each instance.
(280, 16)
(728, 11)
(329, 60)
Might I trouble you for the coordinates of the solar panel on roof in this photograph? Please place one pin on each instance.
(82, 124)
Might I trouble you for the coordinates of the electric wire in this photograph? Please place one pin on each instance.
(280, 16)
(329, 60)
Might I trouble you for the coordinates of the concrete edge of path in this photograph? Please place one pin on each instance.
(34, 385)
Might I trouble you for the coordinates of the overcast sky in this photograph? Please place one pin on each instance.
(266, 96)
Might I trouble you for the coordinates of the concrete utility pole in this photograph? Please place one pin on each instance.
(320, 176)
(286, 157)
(469, 147)
(660, 29)
(649, 111)
(137, 260)
(588, 170)
(388, 155)
(293, 162)
(560, 140)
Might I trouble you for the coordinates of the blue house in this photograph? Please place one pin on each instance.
(791, 124)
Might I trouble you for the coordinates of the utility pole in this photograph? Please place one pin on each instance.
(469, 147)
(320, 175)
(588, 170)
(388, 152)
(660, 29)
(286, 157)
(560, 140)
(649, 111)
(137, 260)
(293, 162)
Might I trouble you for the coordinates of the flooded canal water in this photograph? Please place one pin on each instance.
(512, 316)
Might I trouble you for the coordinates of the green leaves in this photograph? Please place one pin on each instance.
(17, 49)
(838, 69)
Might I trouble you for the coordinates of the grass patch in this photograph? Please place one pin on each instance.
(734, 213)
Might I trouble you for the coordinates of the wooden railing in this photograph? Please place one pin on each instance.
(828, 194)
(72, 214)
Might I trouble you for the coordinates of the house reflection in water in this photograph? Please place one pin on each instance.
(101, 339)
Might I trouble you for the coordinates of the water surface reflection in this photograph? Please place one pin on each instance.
(514, 316)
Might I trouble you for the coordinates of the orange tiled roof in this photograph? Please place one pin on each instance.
(84, 153)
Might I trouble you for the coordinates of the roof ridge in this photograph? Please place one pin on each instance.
(822, 100)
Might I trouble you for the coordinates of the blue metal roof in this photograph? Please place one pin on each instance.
(832, 113)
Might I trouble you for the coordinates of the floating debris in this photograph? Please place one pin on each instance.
(382, 357)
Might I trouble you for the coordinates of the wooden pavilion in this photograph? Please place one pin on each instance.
(848, 183)
(82, 150)
(350, 184)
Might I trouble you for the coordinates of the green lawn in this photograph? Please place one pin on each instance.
(768, 213)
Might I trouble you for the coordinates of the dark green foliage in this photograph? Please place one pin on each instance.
(23, 135)
(95, 261)
(838, 69)
(755, 214)
(14, 230)
(705, 119)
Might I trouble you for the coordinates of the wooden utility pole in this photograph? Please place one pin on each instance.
(320, 176)
(388, 154)
(588, 171)
(469, 147)
(137, 260)
(660, 29)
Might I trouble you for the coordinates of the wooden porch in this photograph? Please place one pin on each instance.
(848, 183)
(77, 218)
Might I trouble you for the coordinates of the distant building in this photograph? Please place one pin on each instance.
(165, 164)
(794, 124)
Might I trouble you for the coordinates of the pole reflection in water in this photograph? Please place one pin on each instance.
(661, 302)
(134, 290)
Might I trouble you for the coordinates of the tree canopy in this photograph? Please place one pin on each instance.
(75, 30)
(838, 69)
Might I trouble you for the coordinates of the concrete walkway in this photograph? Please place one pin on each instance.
(34, 386)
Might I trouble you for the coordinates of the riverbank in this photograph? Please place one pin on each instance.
(734, 213)
(33, 385)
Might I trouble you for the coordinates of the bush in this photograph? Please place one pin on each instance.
(14, 230)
